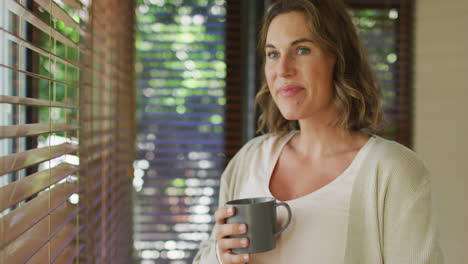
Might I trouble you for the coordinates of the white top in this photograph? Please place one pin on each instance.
(317, 232)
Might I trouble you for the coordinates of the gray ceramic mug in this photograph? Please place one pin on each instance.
(259, 214)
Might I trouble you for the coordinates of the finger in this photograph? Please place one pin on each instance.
(229, 243)
(225, 230)
(233, 258)
(222, 213)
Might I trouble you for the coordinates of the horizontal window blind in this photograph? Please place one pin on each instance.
(385, 29)
(67, 130)
(181, 131)
(107, 132)
(39, 132)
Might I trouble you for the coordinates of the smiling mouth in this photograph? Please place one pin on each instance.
(290, 90)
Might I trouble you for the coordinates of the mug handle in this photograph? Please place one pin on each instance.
(289, 217)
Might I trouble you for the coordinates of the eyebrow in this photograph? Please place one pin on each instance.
(292, 43)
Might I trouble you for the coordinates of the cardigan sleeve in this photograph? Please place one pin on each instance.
(412, 236)
(234, 177)
(391, 218)
(410, 231)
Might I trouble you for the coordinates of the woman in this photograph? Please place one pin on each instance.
(355, 197)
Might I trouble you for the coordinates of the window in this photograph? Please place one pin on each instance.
(181, 131)
(39, 134)
(66, 131)
(385, 30)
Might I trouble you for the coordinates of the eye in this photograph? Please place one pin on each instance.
(303, 50)
(272, 54)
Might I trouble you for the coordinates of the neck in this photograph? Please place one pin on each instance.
(315, 140)
(319, 138)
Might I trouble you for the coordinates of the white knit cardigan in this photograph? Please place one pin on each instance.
(391, 219)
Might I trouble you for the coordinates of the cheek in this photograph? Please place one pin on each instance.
(268, 75)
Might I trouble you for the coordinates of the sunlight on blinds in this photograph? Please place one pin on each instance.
(381, 36)
(39, 101)
(182, 70)
(67, 131)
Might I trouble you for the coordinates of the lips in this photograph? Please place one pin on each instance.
(290, 90)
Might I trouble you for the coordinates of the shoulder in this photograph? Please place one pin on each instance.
(258, 152)
(397, 163)
(264, 144)
(256, 142)
(392, 153)
(253, 160)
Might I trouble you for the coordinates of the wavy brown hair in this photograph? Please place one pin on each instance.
(356, 93)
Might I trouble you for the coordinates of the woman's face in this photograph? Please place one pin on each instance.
(298, 73)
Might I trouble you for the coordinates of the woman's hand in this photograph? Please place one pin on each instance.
(225, 244)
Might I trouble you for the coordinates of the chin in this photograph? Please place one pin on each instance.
(292, 111)
(290, 116)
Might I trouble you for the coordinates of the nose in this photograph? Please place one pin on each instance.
(286, 66)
